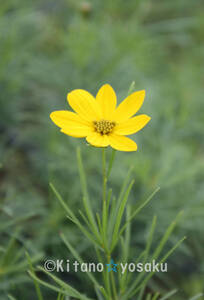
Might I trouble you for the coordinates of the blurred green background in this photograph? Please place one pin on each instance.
(48, 48)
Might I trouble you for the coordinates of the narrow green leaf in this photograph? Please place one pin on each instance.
(111, 218)
(72, 216)
(141, 294)
(59, 297)
(172, 250)
(148, 297)
(54, 288)
(37, 287)
(65, 205)
(147, 278)
(71, 291)
(99, 296)
(150, 238)
(125, 251)
(87, 234)
(16, 221)
(144, 254)
(11, 297)
(82, 174)
(131, 88)
(102, 290)
(85, 219)
(127, 236)
(22, 265)
(140, 208)
(119, 216)
(156, 254)
(197, 296)
(165, 237)
(79, 259)
(9, 253)
(99, 223)
(91, 219)
(124, 187)
(155, 297)
(108, 201)
(86, 201)
(168, 295)
(116, 205)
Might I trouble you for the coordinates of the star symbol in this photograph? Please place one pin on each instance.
(112, 266)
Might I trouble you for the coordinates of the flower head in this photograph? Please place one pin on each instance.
(100, 121)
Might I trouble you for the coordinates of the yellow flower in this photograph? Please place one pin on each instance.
(100, 121)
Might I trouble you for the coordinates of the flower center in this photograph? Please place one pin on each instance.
(104, 126)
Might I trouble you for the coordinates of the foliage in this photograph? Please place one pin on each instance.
(48, 48)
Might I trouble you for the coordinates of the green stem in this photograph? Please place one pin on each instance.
(106, 275)
(114, 286)
(104, 209)
(104, 173)
(111, 162)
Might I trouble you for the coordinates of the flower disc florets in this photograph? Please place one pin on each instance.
(104, 126)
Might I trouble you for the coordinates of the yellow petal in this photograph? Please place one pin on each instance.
(77, 131)
(122, 143)
(107, 101)
(129, 106)
(71, 124)
(98, 140)
(84, 104)
(63, 118)
(132, 125)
